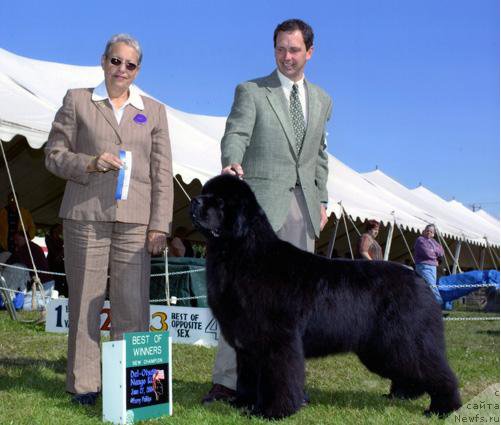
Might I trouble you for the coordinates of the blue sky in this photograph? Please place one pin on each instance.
(415, 83)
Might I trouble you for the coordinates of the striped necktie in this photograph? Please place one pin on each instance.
(297, 117)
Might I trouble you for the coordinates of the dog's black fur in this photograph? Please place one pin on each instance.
(277, 304)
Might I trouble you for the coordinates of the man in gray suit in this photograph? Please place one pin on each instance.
(275, 140)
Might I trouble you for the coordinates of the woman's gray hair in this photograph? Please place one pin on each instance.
(429, 226)
(126, 39)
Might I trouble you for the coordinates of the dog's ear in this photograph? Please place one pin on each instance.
(240, 226)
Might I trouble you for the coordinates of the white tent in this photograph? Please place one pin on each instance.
(452, 218)
(487, 217)
(31, 91)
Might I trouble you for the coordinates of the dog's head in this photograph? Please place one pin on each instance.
(225, 208)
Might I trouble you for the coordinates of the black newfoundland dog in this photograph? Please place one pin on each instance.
(277, 305)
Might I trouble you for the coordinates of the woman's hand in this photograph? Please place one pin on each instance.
(156, 242)
(104, 162)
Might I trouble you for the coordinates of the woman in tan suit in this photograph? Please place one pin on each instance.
(112, 146)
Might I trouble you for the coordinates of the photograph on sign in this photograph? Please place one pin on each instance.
(146, 386)
(147, 375)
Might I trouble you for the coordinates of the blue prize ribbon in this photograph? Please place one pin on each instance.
(121, 176)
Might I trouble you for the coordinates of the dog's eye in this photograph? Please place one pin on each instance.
(213, 200)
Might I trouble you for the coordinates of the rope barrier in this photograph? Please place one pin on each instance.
(4, 288)
(464, 319)
(44, 298)
(63, 274)
(201, 269)
(174, 299)
(467, 285)
(478, 285)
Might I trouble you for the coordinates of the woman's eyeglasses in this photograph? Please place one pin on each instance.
(128, 65)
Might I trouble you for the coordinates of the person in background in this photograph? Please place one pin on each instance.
(368, 248)
(55, 256)
(10, 223)
(21, 255)
(100, 138)
(179, 246)
(427, 255)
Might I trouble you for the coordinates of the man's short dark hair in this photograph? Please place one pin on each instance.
(293, 25)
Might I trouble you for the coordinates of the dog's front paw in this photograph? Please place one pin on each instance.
(244, 403)
(274, 412)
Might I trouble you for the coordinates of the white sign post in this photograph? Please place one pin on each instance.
(137, 377)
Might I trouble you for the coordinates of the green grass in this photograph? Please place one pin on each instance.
(342, 391)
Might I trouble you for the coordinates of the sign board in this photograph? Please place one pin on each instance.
(137, 377)
(187, 325)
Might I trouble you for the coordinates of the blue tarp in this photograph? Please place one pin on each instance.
(18, 301)
(446, 284)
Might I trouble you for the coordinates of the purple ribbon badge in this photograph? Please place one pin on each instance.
(140, 119)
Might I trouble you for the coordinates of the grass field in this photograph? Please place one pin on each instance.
(342, 391)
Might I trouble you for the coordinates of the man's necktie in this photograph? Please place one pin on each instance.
(297, 117)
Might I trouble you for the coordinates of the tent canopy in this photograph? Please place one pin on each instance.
(32, 91)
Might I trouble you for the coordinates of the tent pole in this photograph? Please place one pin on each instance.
(456, 257)
(406, 244)
(347, 233)
(442, 242)
(471, 252)
(27, 239)
(495, 252)
(182, 188)
(492, 257)
(388, 241)
(7, 301)
(490, 253)
(332, 240)
(482, 258)
(355, 227)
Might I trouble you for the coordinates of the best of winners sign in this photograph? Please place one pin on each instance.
(186, 325)
(137, 377)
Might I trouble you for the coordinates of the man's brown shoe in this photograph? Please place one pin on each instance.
(219, 392)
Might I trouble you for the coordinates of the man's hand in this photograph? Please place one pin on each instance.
(156, 242)
(234, 169)
(323, 217)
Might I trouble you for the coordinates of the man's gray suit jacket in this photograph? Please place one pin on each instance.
(260, 137)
